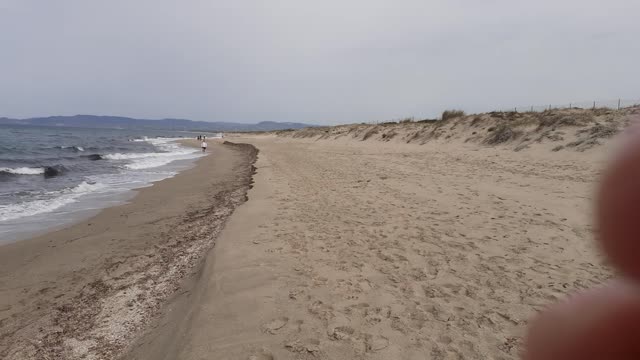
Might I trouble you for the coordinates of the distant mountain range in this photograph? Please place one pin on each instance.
(118, 122)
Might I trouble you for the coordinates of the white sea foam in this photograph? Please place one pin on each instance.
(76, 148)
(34, 207)
(149, 163)
(119, 156)
(137, 172)
(23, 170)
(171, 151)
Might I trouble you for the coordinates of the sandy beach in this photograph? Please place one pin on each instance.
(353, 250)
(406, 241)
(319, 180)
(86, 291)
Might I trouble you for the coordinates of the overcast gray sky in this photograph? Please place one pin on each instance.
(325, 62)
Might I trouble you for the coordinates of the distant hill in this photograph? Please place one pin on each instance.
(118, 122)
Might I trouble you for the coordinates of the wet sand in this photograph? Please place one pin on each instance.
(88, 290)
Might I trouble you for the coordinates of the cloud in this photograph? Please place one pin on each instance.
(322, 62)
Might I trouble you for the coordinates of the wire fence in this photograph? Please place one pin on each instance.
(616, 104)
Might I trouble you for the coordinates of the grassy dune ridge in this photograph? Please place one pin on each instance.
(559, 130)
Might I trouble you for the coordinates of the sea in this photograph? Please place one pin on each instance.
(51, 177)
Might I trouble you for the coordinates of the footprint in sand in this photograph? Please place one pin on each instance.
(311, 346)
(274, 325)
(263, 355)
(376, 343)
(340, 332)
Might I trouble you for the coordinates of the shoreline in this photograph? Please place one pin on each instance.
(86, 291)
(85, 205)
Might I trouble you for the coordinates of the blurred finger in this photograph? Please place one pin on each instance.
(602, 323)
(618, 212)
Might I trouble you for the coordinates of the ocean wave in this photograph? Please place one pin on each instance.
(94, 157)
(22, 170)
(52, 171)
(74, 148)
(170, 151)
(58, 199)
(136, 171)
(86, 187)
(133, 156)
(120, 156)
(148, 163)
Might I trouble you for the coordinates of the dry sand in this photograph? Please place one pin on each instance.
(86, 291)
(371, 250)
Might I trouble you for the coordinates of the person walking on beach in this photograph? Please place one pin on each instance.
(204, 146)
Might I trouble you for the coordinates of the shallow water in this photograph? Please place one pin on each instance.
(51, 176)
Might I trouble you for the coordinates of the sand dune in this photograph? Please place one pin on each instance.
(555, 130)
